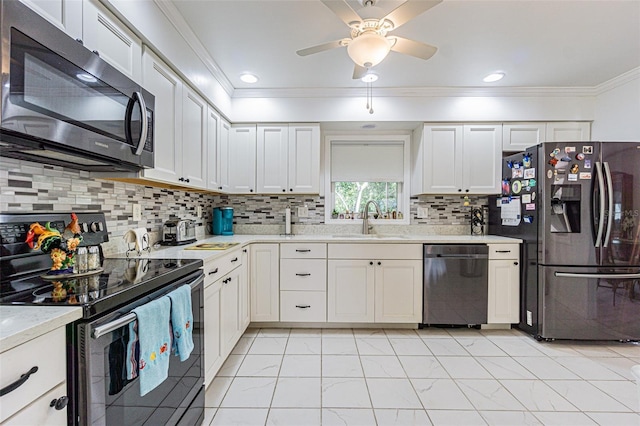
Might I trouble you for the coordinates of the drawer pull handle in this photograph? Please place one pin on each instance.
(15, 385)
(303, 306)
(215, 271)
(503, 251)
(60, 403)
(235, 259)
(303, 250)
(303, 274)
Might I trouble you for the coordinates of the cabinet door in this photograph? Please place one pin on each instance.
(350, 291)
(229, 315)
(245, 313)
(264, 281)
(223, 142)
(165, 85)
(442, 172)
(194, 139)
(271, 158)
(242, 159)
(504, 292)
(114, 42)
(481, 162)
(40, 411)
(568, 131)
(398, 291)
(304, 159)
(213, 356)
(520, 136)
(64, 14)
(213, 149)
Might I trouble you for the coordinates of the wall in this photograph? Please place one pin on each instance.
(617, 110)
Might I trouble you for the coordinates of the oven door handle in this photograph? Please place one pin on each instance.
(103, 329)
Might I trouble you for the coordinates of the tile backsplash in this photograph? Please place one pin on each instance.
(29, 187)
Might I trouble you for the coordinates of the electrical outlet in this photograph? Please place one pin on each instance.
(303, 211)
(530, 318)
(199, 211)
(423, 213)
(137, 212)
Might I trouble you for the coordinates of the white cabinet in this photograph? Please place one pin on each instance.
(30, 402)
(504, 284)
(374, 283)
(458, 158)
(64, 14)
(520, 136)
(194, 139)
(303, 282)
(242, 159)
(288, 159)
(213, 356)
(245, 312)
(213, 149)
(225, 160)
(114, 42)
(264, 277)
(230, 326)
(568, 131)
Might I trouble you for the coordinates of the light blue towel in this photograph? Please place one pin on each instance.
(182, 321)
(154, 337)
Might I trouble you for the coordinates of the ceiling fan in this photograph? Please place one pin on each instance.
(370, 42)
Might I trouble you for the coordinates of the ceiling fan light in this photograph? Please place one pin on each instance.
(369, 77)
(248, 78)
(368, 49)
(493, 77)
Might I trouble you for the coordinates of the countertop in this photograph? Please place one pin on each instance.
(19, 324)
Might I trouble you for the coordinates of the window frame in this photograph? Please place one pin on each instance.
(404, 187)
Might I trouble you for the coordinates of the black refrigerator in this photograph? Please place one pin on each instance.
(576, 206)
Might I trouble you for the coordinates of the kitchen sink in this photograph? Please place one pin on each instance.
(371, 236)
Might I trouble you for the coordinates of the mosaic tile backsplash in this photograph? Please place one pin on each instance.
(28, 187)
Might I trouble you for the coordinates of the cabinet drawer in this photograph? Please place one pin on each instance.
(504, 251)
(370, 251)
(46, 352)
(303, 251)
(304, 275)
(303, 306)
(40, 411)
(221, 266)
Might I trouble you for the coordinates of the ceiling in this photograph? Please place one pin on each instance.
(537, 43)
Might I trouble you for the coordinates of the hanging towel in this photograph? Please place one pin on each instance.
(154, 338)
(133, 351)
(182, 321)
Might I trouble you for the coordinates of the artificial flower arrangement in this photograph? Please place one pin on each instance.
(60, 246)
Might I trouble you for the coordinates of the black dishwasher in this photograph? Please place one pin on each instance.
(455, 284)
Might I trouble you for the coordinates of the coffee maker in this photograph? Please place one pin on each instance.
(223, 221)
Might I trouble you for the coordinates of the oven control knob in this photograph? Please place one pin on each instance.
(97, 227)
(84, 227)
(60, 403)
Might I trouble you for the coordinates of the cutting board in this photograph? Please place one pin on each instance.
(211, 246)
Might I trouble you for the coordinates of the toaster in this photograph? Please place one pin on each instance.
(178, 231)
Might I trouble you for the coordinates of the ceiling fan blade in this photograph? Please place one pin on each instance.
(412, 47)
(409, 10)
(342, 11)
(359, 72)
(322, 47)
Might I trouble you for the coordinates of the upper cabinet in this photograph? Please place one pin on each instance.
(241, 157)
(115, 43)
(194, 139)
(288, 159)
(520, 136)
(455, 158)
(64, 14)
(224, 138)
(213, 149)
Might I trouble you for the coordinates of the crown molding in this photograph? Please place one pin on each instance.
(618, 81)
(172, 14)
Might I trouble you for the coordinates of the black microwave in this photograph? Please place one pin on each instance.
(64, 105)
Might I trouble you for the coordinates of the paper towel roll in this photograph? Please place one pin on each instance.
(138, 236)
(287, 221)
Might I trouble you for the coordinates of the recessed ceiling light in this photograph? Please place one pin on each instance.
(86, 77)
(369, 77)
(248, 78)
(493, 77)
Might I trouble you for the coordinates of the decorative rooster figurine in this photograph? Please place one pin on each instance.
(61, 247)
(72, 229)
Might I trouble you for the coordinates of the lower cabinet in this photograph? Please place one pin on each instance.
(264, 276)
(213, 356)
(398, 291)
(504, 284)
(350, 291)
(230, 308)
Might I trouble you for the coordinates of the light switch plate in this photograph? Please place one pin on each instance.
(423, 213)
(137, 212)
(303, 211)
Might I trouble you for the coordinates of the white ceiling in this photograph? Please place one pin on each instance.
(538, 43)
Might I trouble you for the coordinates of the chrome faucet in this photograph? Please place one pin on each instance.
(365, 215)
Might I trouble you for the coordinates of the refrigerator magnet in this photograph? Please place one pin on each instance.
(587, 164)
(529, 173)
(585, 175)
(533, 196)
(530, 206)
(532, 182)
(526, 198)
(559, 180)
(579, 156)
(574, 169)
(549, 174)
(565, 158)
(527, 218)
(553, 161)
(516, 173)
(572, 177)
(569, 149)
(516, 187)
(587, 149)
(526, 160)
(555, 152)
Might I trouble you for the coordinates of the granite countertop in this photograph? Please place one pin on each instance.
(19, 324)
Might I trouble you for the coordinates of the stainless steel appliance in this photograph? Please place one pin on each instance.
(455, 284)
(98, 394)
(579, 218)
(178, 231)
(62, 104)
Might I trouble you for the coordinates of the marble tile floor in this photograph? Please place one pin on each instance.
(434, 376)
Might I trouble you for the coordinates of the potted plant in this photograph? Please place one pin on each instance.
(334, 214)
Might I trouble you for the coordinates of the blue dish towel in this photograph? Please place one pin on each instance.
(154, 340)
(182, 321)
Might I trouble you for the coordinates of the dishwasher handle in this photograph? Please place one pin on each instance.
(456, 256)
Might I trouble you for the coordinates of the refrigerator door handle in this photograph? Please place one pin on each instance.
(601, 191)
(595, 275)
(607, 172)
